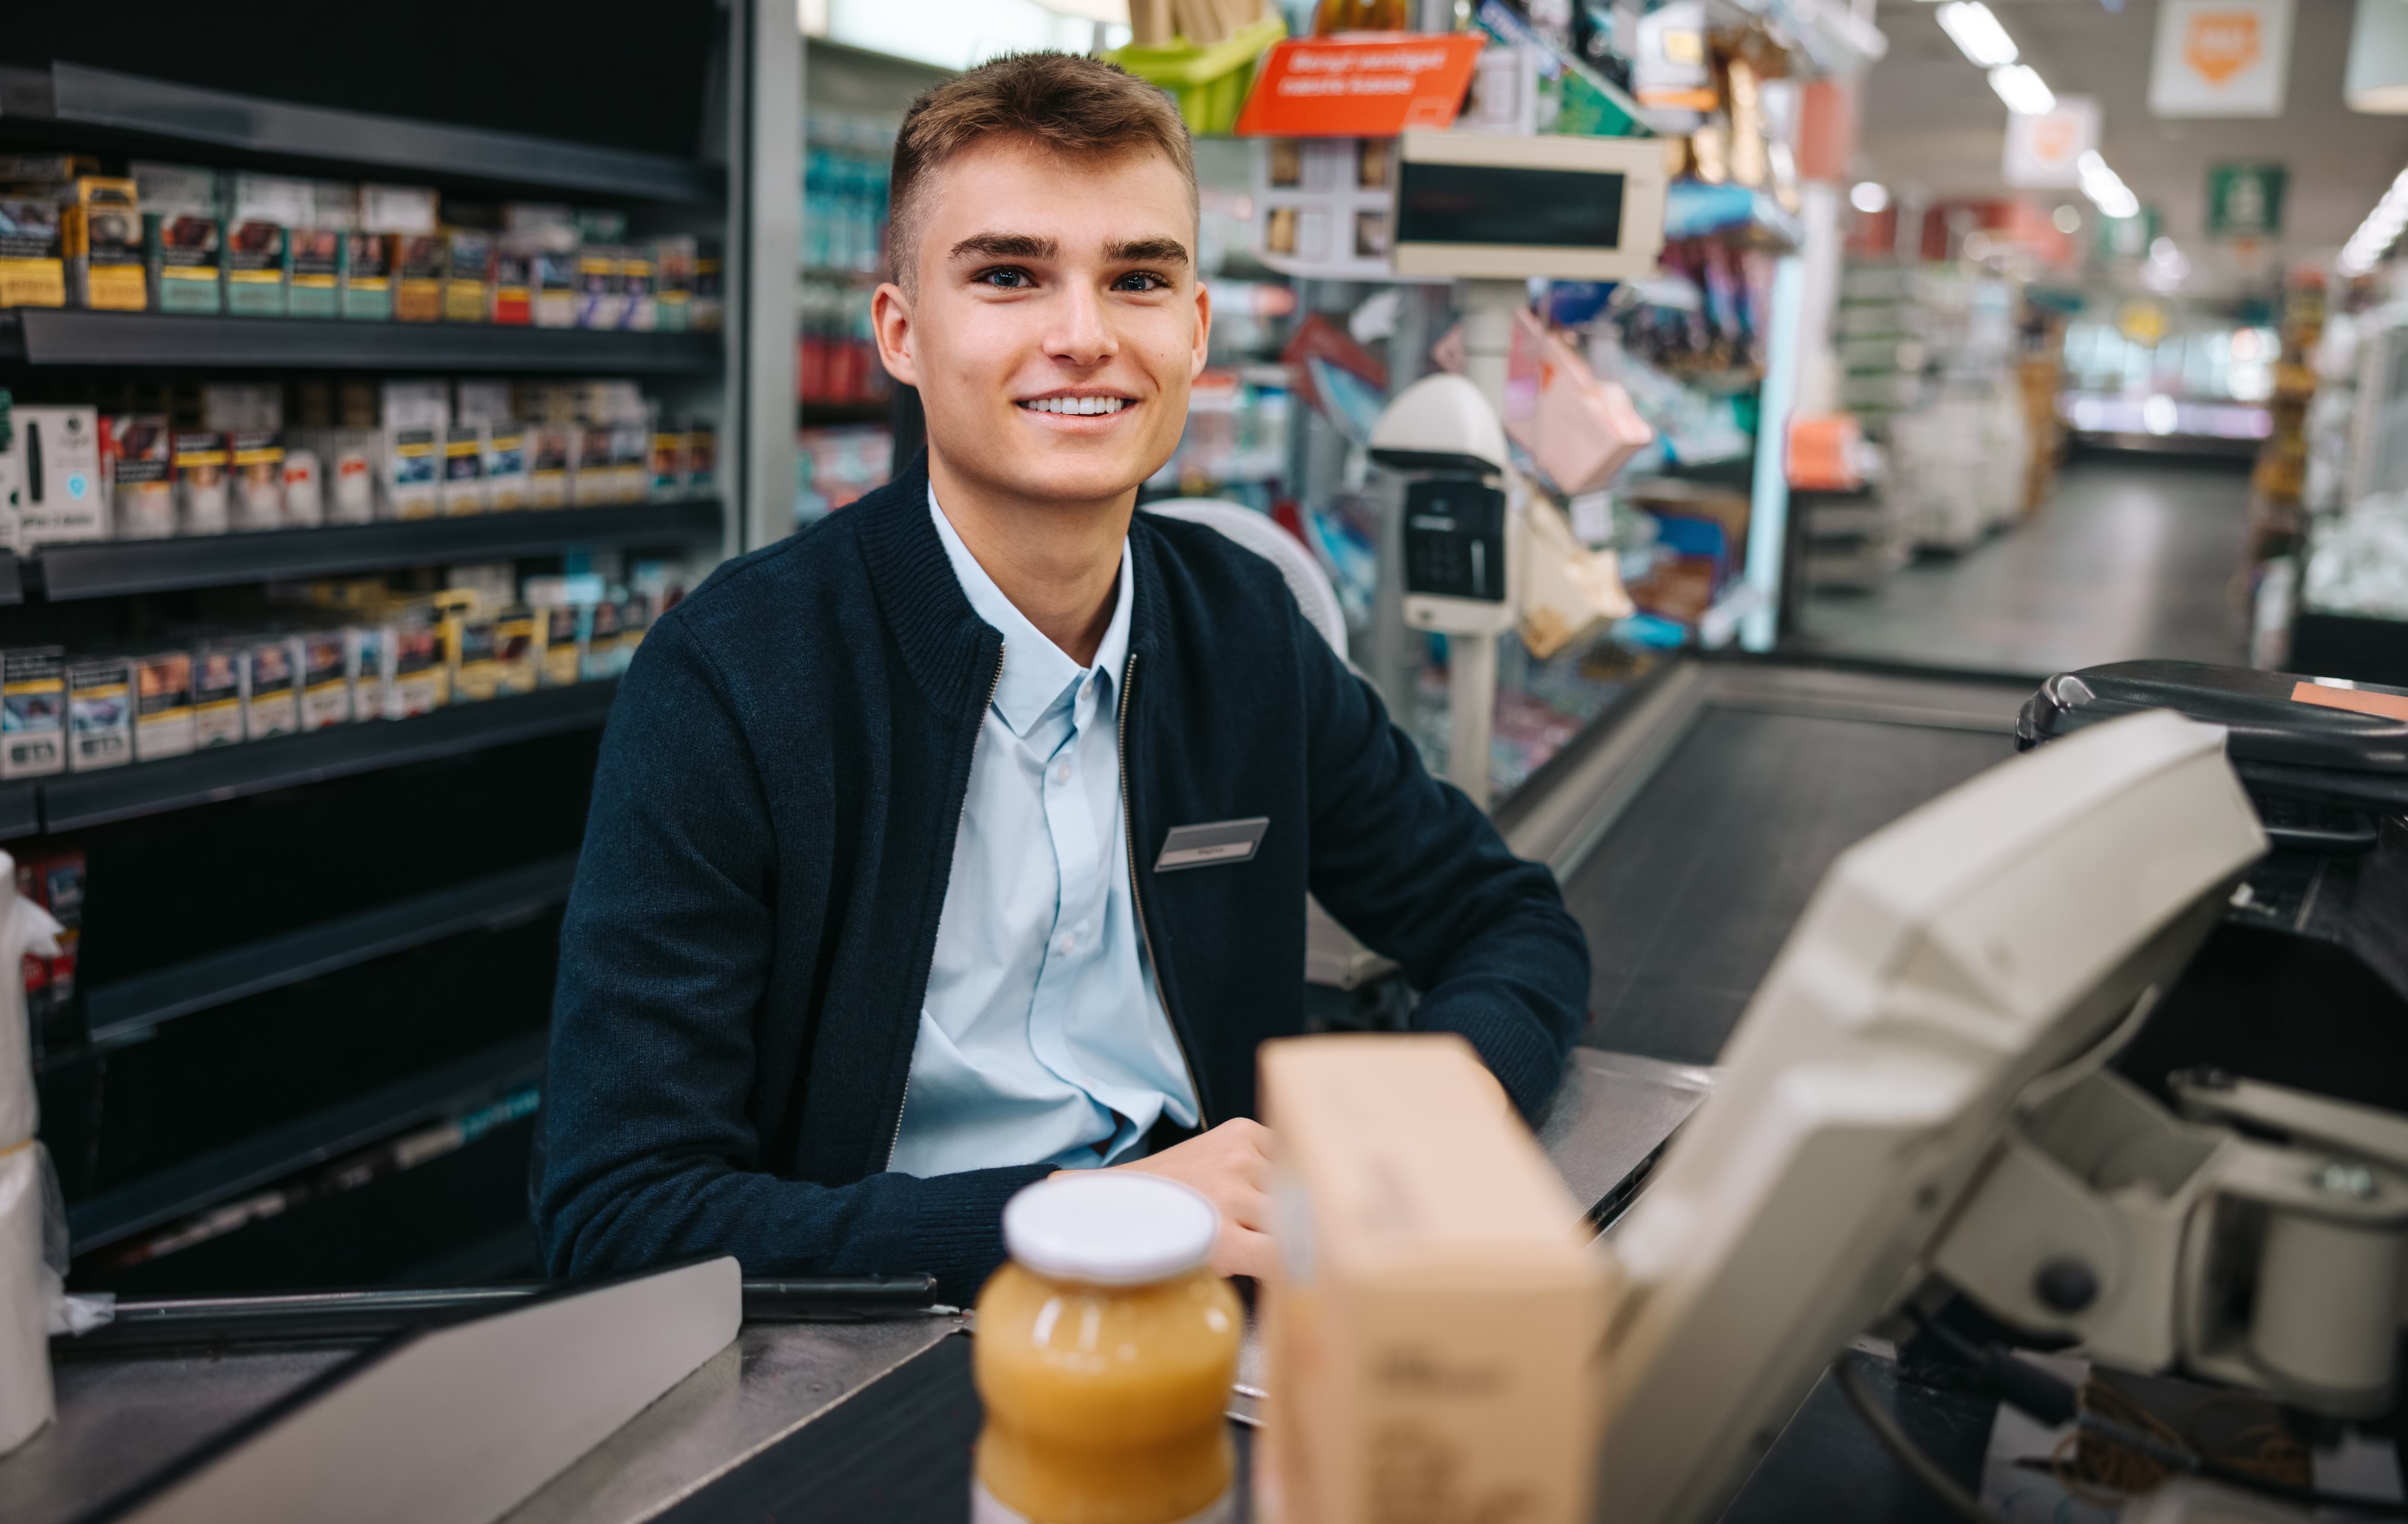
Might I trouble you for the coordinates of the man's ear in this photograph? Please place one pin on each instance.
(890, 318)
(1203, 330)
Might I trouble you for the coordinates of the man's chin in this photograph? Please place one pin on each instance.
(1067, 476)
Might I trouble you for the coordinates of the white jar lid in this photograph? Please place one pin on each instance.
(1112, 1228)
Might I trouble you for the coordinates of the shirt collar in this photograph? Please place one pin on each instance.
(1036, 672)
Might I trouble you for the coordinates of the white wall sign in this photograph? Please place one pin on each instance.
(2221, 58)
(2045, 150)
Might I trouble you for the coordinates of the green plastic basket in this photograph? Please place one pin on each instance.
(1208, 83)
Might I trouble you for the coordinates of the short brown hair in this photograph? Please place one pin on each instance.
(1083, 108)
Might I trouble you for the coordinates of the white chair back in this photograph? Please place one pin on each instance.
(1257, 533)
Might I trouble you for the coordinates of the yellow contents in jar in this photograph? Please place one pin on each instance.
(1105, 1401)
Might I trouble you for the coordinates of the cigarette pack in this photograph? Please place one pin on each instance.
(468, 275)
(635, 619)
(163, 705)
(480, 402)
(506, 468)
(363, 653)
(367, 277)
(100, 713)
(673, 283)
(599, 659)
(591, 479)
(201, 485)
(137, 456)
(45, 168)
(422, 262)
(346, 473)
(256, 269)
(397, 209)
(229, 407)
(32, 711)
(556, 288)
(564, 644)
(631, 449)
(640, 309)
(271, 692)
(472, 648)
(601, 291)
(517, 659)
(670, 466)
(316, 289)
(324, 658)
(1435, 1307)
(416, 679)
(513, 282)
(59, 492)
(710, 301)
(414, 404)
(463, 469)
(101, 230)
(412, 473)
(217, 695)
(550, 465)
(701, 459)
(33, 253)
(183, 253)
(258, 464)
(173, 187)
(305, 495)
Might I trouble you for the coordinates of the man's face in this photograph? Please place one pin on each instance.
(1058, 322)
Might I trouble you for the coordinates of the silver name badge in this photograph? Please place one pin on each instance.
(1213, 843)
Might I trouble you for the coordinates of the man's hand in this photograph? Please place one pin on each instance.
(1231, 1166)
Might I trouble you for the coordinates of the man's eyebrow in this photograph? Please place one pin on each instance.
(1146, 251)
(1006, 246)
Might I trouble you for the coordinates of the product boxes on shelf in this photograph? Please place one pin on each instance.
(271, 697)
(364, 647)
(600, 658)
(517, 659)
(367, 277)
(100, 713)
(630, 461)
(591, 479)
(257, 458)
(673, 283)
(1434, 1289)
(641, 309)
(325, 657)
(669, 470)
(201, 484)
(101, 232)
(216, 696)
(556, 288)
(513, 283)
(305, 497)
(411, 474)
(32, 711)
(564, 644)
(634, 620)
(701, 460)
(256, 269)
(58, 496)
(137, 454)
(163, 705)
(463, 469)
(316, 289)
(553, 454)
(601, 291)
(183, 253)
(33, 253)
(421, 261)
(506, 468)
(415, 679)
(709, 303)
(474, 653)
(468, 275)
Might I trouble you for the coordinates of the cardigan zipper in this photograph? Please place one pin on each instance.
(1137, 898)
(895, 1139)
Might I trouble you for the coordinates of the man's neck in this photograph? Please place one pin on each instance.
(1059, 563)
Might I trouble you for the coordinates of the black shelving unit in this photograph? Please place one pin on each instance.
(72, 337)
(159, 115)
(112, 569)
(209, 1178)
(79, 801)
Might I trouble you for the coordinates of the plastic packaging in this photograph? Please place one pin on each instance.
(1105, 1354)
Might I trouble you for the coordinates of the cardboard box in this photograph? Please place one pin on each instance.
(271, 687)
(32, 711)
(59, 484)
(1433, 1323)
(324, 658)
(258, 463)
(33, 253)
(163, 705)
(102, 235)
(202, 488)
(216, 696)
(138, 457)
(100, 713)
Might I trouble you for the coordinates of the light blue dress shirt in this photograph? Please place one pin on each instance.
(1043, 1039)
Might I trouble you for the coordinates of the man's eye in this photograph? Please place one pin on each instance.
(1005, 278)
(1140, 280)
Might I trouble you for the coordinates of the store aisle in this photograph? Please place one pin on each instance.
(2129, 558)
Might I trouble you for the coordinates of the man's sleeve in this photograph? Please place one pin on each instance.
(1409, 866)
(650, 1153)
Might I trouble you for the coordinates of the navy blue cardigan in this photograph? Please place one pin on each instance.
(748, 942)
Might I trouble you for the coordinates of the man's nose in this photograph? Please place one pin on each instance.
(1081, 330)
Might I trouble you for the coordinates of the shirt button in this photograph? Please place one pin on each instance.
(1062, 772)
(1068, 945)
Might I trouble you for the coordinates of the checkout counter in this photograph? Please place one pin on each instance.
(1689, 828)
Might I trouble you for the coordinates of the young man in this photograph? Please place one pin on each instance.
(873, 926)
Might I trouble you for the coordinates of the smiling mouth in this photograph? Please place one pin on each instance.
(1078, 407)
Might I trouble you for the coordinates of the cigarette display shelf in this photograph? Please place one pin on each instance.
(74, 337)
(111, 568)
(82, 800)
(128, 1009)
(209, 1178)
(75, 106)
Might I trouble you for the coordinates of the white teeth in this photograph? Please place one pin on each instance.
(1077, 407)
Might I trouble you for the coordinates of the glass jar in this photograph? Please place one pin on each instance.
(1104, 1354)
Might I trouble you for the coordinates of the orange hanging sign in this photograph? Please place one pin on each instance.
(1369, 85)
(2219, 44)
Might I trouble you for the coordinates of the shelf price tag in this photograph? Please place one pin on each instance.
(1366, 86)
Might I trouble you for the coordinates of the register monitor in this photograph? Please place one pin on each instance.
(1996, 943)
(1477, 206)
